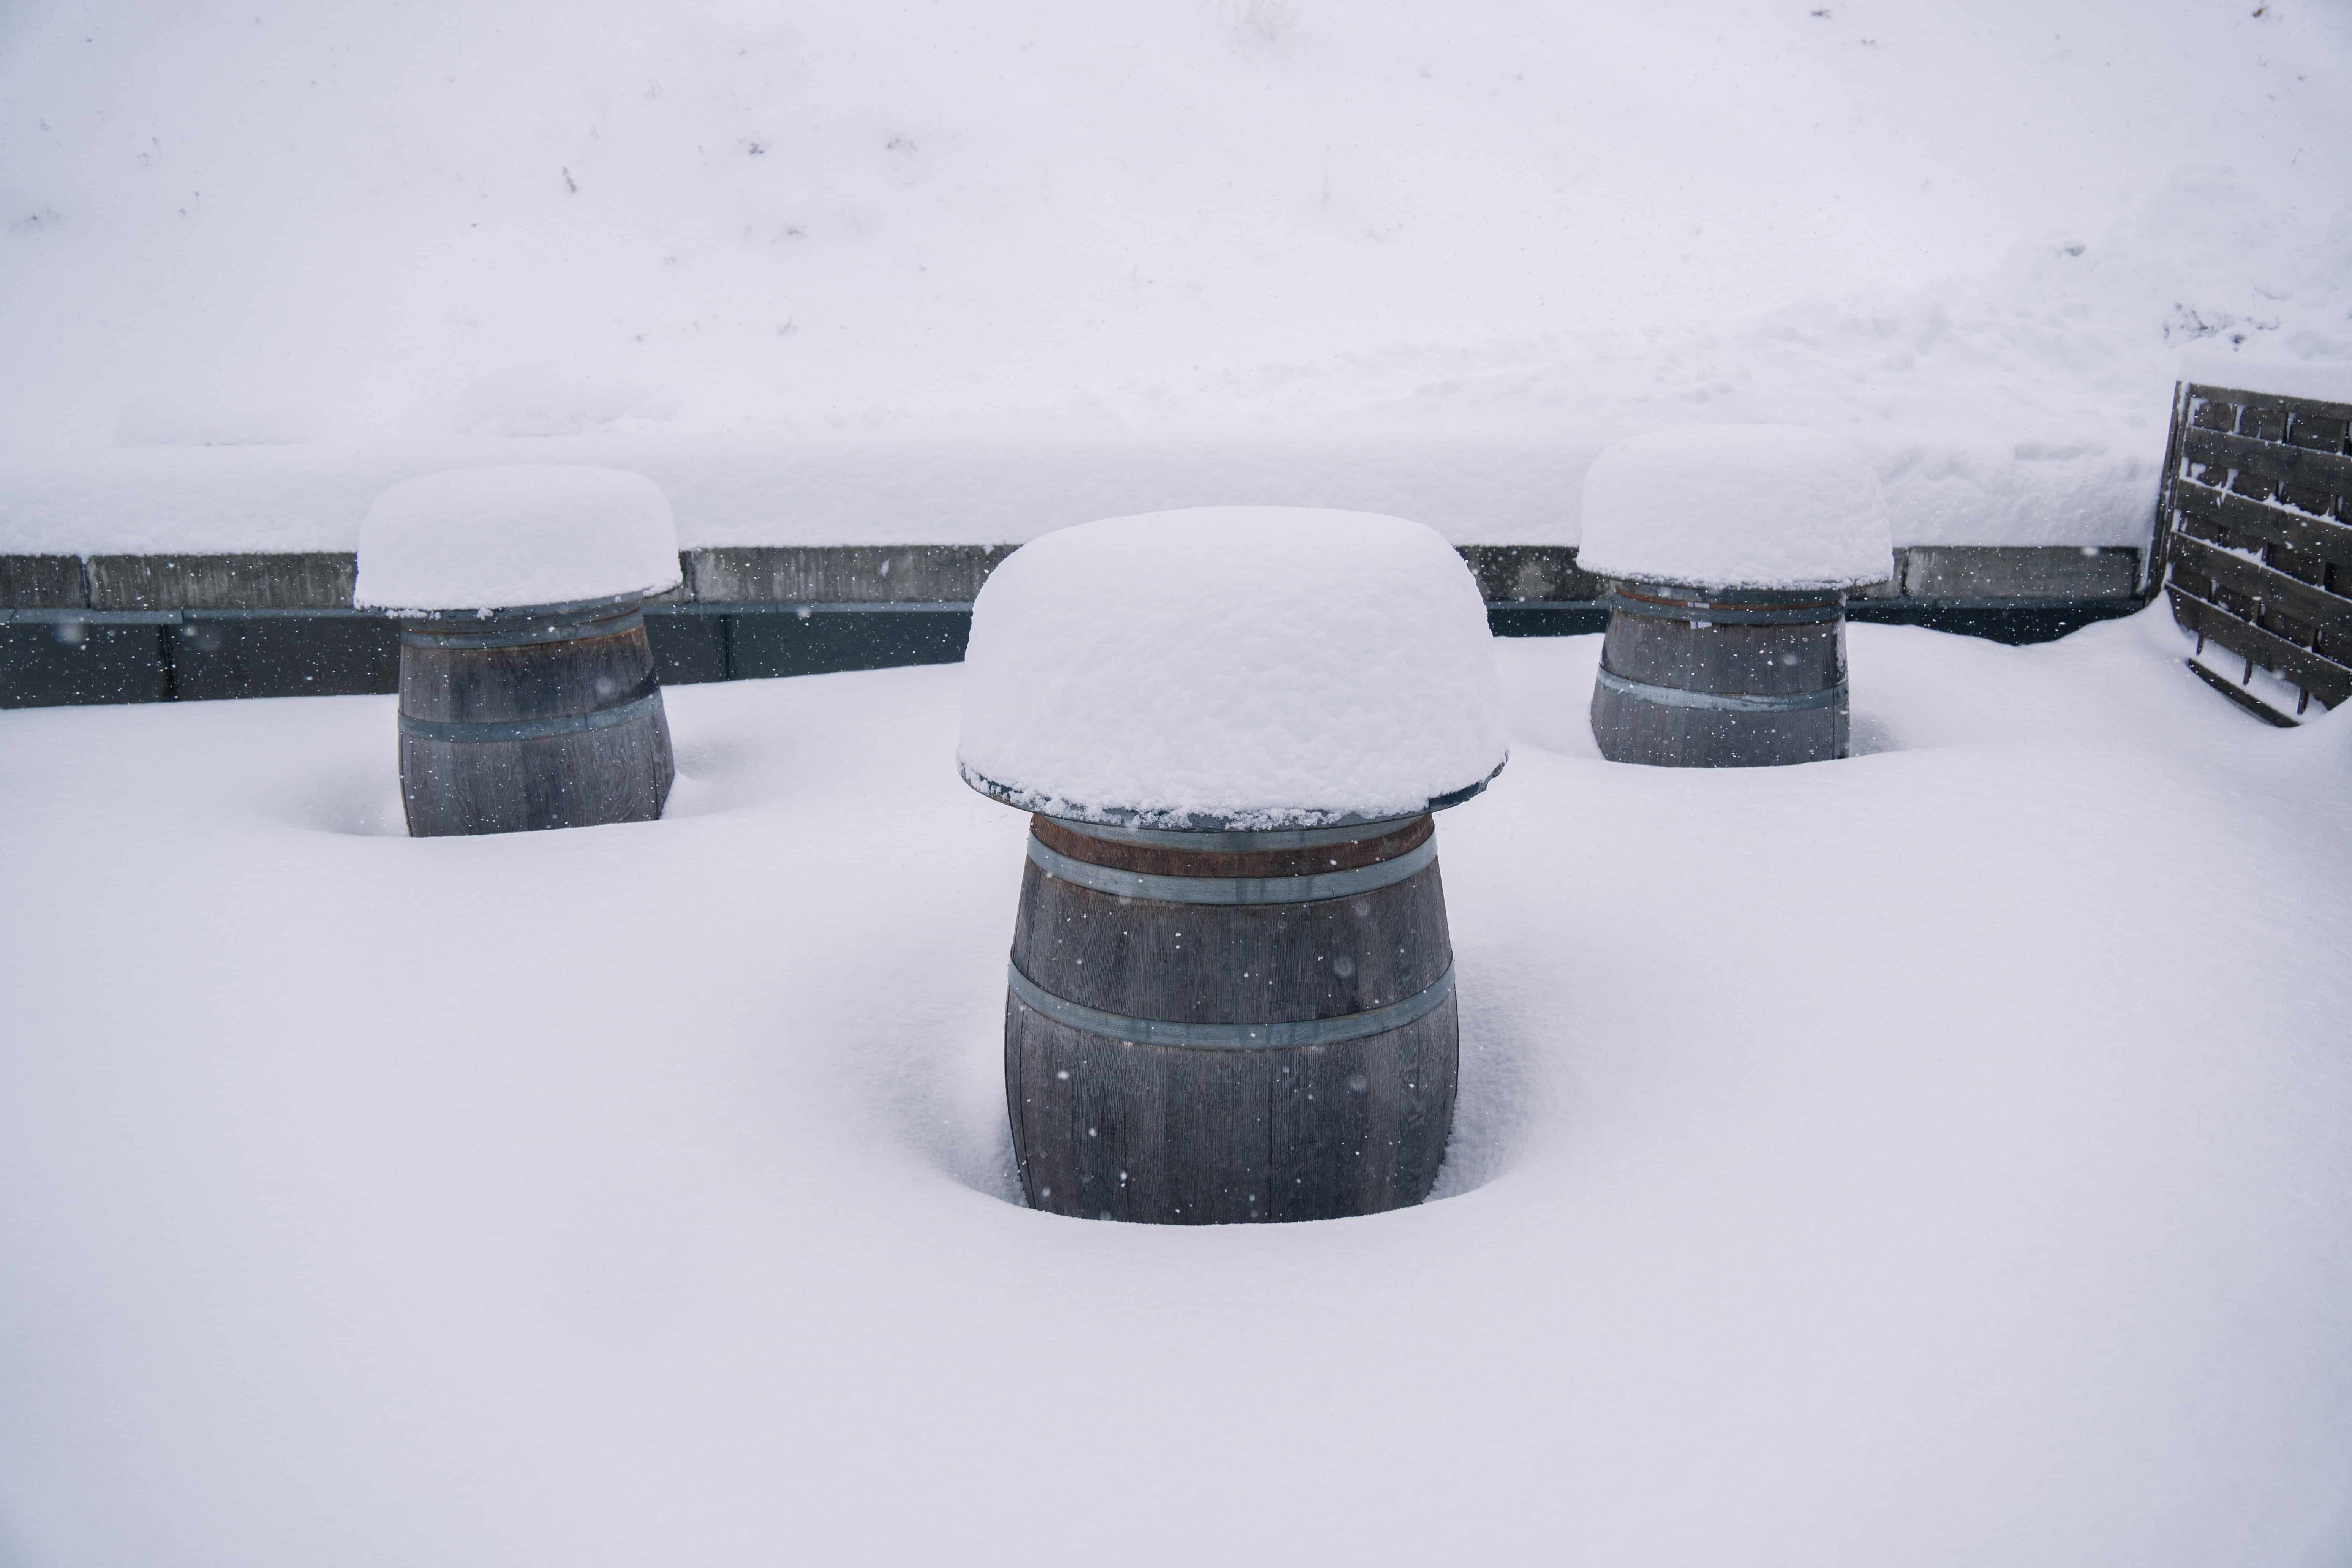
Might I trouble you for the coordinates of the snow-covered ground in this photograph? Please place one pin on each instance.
(906, 271)
(1936, 1157)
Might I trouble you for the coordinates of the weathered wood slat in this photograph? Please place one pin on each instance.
(2323, 678)
(2260, 520)
(1980, 573)
(306, 580)
(41, 583)
(2302, 600)
(842, 573)
(2243, 698)
(2270, 402)
(2330, 471)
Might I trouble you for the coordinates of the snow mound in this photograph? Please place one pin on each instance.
(513, 534)
(1737, 506)
(1251, 667)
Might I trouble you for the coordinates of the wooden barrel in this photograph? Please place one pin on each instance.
(530, 719)
(1708, 677)
(1206, 1027)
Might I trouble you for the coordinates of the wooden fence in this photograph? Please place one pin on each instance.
(2256, 529)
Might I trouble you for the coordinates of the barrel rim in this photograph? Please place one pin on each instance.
(1261, 820)
(559, 610)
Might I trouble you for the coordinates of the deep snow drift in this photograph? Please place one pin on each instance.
(1233, 251)
(1935, 1157)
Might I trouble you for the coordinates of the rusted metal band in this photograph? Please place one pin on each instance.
(1232, 889)
(511, 636)
(1726, 615)
(1231, 1036)
(529, 729)
(1239, 843)
(1720, 701)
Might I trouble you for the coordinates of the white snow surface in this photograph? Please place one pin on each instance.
(514, 535)
(1933, 1158)
(1737, 506)
(893, 273)
(1258, 666)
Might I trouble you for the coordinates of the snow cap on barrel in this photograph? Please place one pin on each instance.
(515, 534)
(1231, 666)
(1737, 506)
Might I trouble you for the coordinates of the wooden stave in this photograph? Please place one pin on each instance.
(619, 773)
(1199, 1129)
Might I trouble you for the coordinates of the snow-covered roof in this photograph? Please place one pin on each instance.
(1737, 506)
(1249, 667)
(515, 534)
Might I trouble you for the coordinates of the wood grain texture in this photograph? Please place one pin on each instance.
(619, 773)
(1103, 1128)
(842, 573)
(305, 580)
(41, 583)
(1991, 572)
(2270, 456)
(1720, 659)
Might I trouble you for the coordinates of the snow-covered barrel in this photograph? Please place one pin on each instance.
(1730, 549)
(1230, 995)
(528, 697)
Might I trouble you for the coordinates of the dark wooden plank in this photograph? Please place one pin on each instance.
(2208, 412)
(42, 582)
(2160, 539)
(2323, 678)
(1220, 1134)
(2242, 697)
(2330, 471)
(308, 580)
(2302, 600)
(2272, 402)
(1976, 571)
(2328, 540)
(2317, 432)
(842, 573)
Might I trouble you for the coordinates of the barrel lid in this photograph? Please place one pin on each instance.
(1232, 669)
(1271, 819)
(515, 534)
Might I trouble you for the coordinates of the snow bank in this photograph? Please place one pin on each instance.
(1261, 666)
(1737, 506)
(515, 534)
